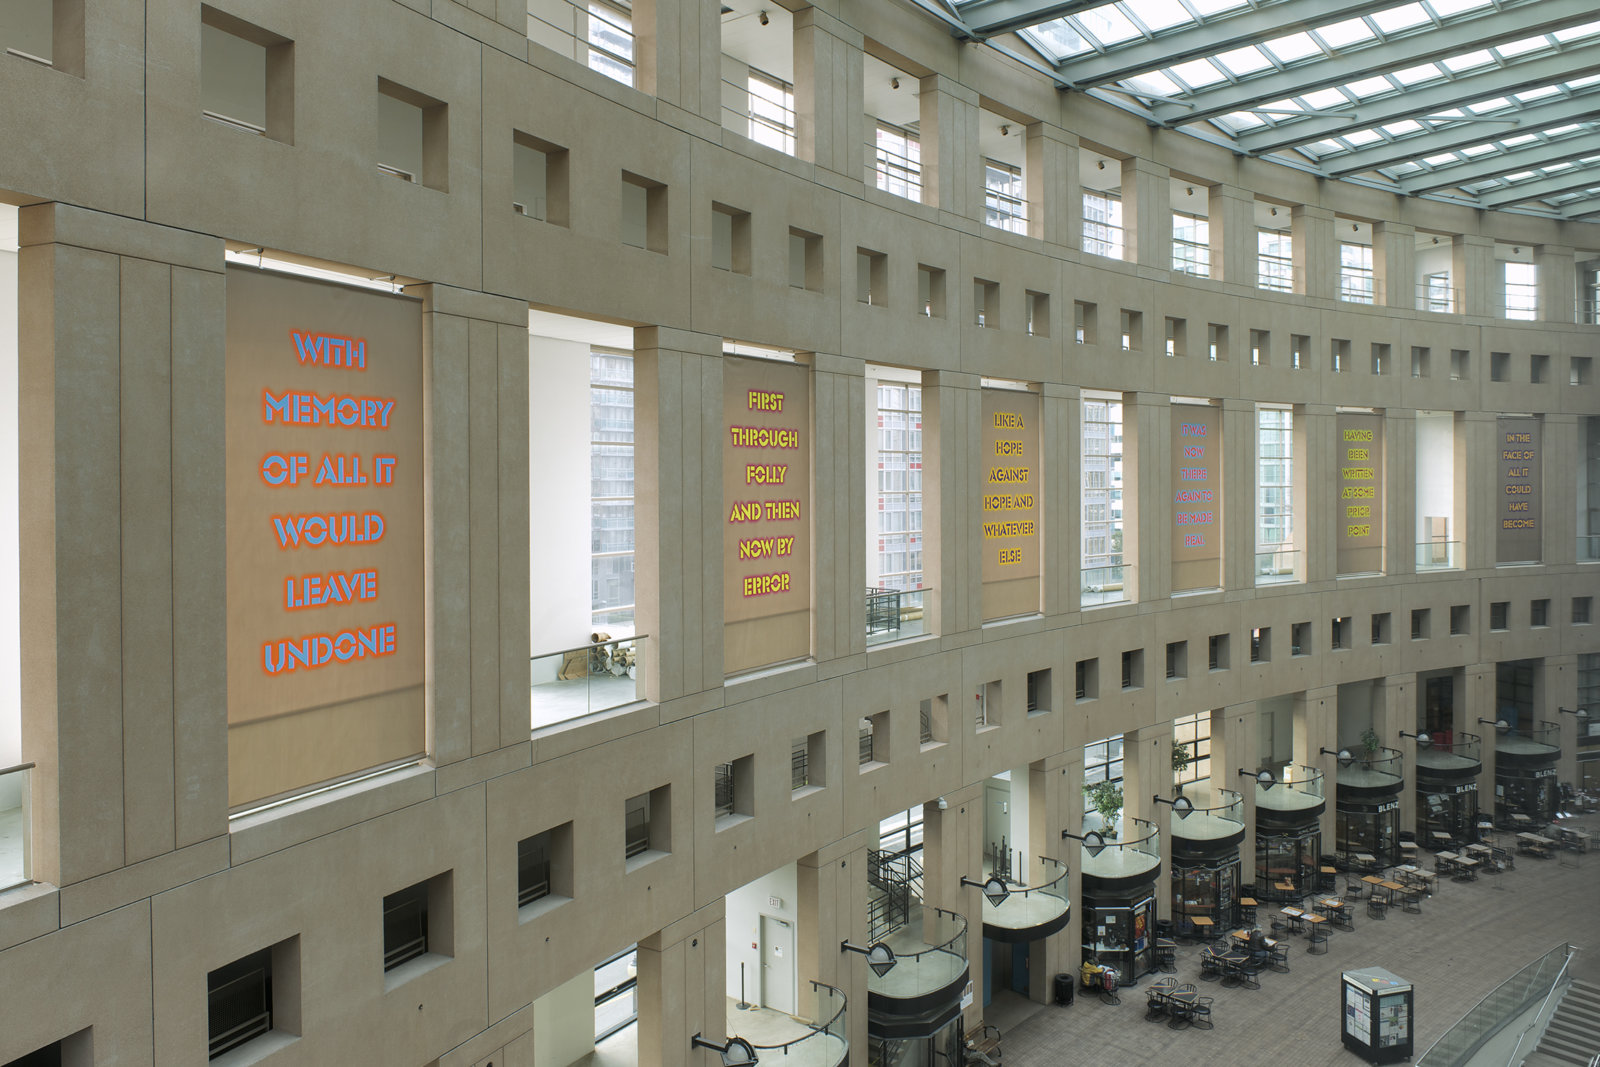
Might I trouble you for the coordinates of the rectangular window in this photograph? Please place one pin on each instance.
(1083, 322)
(1216, 342)
(805, 259)
(1193, 733)
(1276, 555)
(1380, 359)
(771, 111)
(730, 239)
(733, 791)
(807, 762)
(609, 36)
(1339, 352)
(647, 826)
(988, 705)
(1086, 679)
(1539, 612)
(544, 866)
(413, 136)
(1177, 660)
(986, 303)
(1102, 224)
(872, 277)
(1419, 362)
(930, 291)
(1460, 620)
(1039, 692)
(1275, 260)
(897, 161)
(1261, 644)
(644, 213)
(1460, 364)
(539, 179)
(1499, 614)
(895, 511)
(1005, 201)
(246, 76)
(239, 997)
(1499, 366)
(1132, 330)
(1355, 273)
(1133, 668)
(616, 993)
(1435, 293)
(1380, 628)
(405, 925)
(1177, 337)
(1340, 636)
(1191, 244)
(1102, 576)
(1299, 351)
(1038, 311)
(1538, 369)
(1300, 639)
(933, 720)
(1580, 610)
(1217, 652)
(611, 490)
(1522, 290)
(1420, 622)
(1260, 348)
(1102, 761)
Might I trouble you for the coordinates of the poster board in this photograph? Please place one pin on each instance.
(1196, 497)
(1519, 450)
(323, 416)
(766, 495)
(1010, 474)
(1358, 504)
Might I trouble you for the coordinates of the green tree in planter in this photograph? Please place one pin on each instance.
(1370, 744)
(1180, 762)
(1106, 798)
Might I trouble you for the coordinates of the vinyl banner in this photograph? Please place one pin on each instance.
(324, 510)
(1358, 505)
(766, 496)
(1196, 497)
(1519, 452)
(1011, 476)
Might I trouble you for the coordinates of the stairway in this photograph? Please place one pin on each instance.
(1573, 1035)
(895, 884)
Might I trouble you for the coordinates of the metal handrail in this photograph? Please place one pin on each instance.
(590, 646)
(823, 1028)
(1465, 1054)
(19, 767)
(1535, 1022)
(1024, 890)
(945, 945)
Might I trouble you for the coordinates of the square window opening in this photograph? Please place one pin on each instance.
(805, 260)
(1217, 652)
(246, 76)
(930, 291)
(413, 136)
(1038, 308)
(539, 177)
(1133, 669)
(647, 826)
(644, 213)
(1380, 628)
(730, 239)
(1039, 692)
(808, 763)
(1177, 660)
(1460, 620)
(1086, 679)
(544, 867)
(253, 996)
(1261, 644)
(1420, 622)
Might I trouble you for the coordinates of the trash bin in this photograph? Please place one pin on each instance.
(1064, 987)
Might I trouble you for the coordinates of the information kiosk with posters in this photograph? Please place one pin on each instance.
(1376, 1010)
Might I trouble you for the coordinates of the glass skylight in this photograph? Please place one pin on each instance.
(1108, 25)
(1245, 60)
(1468, 61)
(1293, 47)
(1417, 75)
(1158, 15)
(1346, 33)
(1399, 18)
(1198, 73)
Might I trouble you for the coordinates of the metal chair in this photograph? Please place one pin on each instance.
(1200, 1014)
(1319, 943)
(1280, 957)
(1376, 907)
(1411, 900)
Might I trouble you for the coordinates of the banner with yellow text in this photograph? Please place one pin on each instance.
(1358, 504)
(1518, 452)
(1011, 479)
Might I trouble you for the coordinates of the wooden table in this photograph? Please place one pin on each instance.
(1296, 918)
(1479, 849)
(1520, 819)
(1363, 858)
(1468, 869)
(1202, 925)
(1248, 902)
(1372, 879)
(1392, 888)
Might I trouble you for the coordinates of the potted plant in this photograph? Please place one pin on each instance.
(1370, 745)
(1106, 798)
(1180, 762)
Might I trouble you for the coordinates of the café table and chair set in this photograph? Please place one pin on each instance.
(1181, 1004)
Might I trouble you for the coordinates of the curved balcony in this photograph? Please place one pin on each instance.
(1382, 772)
(821, 1041)
(1208, 826)
(1299, 789)
(1137, 855)
(1030, 912)
(930, 964)
(1463, 753)
(1539, 740)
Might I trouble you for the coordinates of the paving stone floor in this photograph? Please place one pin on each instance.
(1469, 938)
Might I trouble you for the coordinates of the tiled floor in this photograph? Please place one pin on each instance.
(1469, 938)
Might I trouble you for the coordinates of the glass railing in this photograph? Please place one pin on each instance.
(1222, 819)
(1504, 1003)
(574, 682)
(1030, 906)
(1588, 547)
(1297, 788)
(1277, 565)
(1530, 739)
(1441, 299)
(15, 826)
(1136, 852)
(1106, 585)
(930, 953)
(1438, 555)
(823, 1040)
(1384, 767)
(1448, 752)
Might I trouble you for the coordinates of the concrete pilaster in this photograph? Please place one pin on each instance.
(678, 50)
(1561, 691)
(950, 435)
(1071, 851)
(1238, 488)
(1146, 212)
(1475, 486)
(1047, 798)
(1399, 495)
(681, 989)
(1394, 708)
(952, 848)
(1479, 703)
(1316, 252)
(838, 496)
(1316, 463)
(1235, 746)
(829, 108)
(1316, 726)
(1060, 436)
(1557, 281)
(1146, 774)
(1472, 272)
(1055, 196)
(951, 177)
(1233, 235)
(833, 908)
(1563, 436)
(1146, 441)
(1394, 264)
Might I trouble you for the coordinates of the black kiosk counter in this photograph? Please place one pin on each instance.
(1375, 1010)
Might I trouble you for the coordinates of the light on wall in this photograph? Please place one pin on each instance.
(1500, 725)
(1264, 778)
(736, 1053)
(995, 890)
(894, 83)
(1093, 843)
(1181, 806)
(1422, 739)
(880, 957)
(1344, 755)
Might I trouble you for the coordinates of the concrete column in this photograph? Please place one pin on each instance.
(678, 509)
(1147, 213)
(1235, 745)
(1316, 251)
(121, 490)
(1147, 773)
(1399, 498)
(1394, 709)
(681, 989)
(1472, 273)
(1316, 726)
(950, 461)
(1316, 464)
(1475, 485)
(952, 178)
(1048, 782)
(1239, 493)
(1561, 691)
(838, 503)
(1055, 197)
(952, 848)
(833, 909)
(1479, 703)
(1060, 438)
(1146, 443)
(1563, 436)
(1394, 264)
(475, 371)
(678, 56)
(1071, 854)
(1558, 283)
(1233, 235)
(828, 100)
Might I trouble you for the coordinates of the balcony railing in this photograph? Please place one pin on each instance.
(1137, 852)
(822, 1040)
(1030, 907)
(1442, 299)
(1274, 566)
(16, 827)
(1537, 739)
(1588, 546)
(1438, 555)
(574, 682)
(1297, 788)
(1383, 768)
(930, 954)
(1220, 820)
(895, 172)
(1105, 585)
(1460, 752)
(1504, 1003)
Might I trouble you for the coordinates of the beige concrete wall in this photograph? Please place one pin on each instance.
(147, 885)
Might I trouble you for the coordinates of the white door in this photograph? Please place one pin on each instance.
(777, 964)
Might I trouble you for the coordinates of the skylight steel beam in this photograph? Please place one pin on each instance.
(1429, 99)
(1515, 22)
(1485, 167)
(1539, 188)
(1559, 112)
(985, 18)
(1221, 34)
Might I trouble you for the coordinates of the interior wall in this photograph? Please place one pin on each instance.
(10, 610)
(745, 906)
(563, 1022)
(558, 486)
(1017, 835)
(1435, 470)
(1431, 259)
(1355, 712)
(1275, 716)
